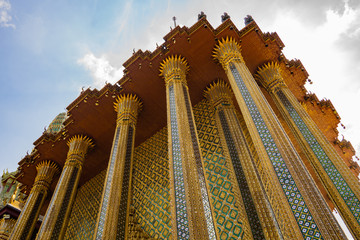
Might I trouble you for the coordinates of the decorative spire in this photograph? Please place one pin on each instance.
(201, 15)
(227, 50)
(174, 19)
(248, 19)
(225, 17)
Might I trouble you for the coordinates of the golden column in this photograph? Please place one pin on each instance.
(57, 215)
(26, 222)
(113, 218)
(6, 227)
(280, 167)
(342, 186)
(190, 205)
(258, 210)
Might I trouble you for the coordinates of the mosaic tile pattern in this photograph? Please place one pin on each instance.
(180, 198)
(204, 194)
(226, 209)
(108, 186)
(298, 206)
(65, 203)
(345, 191)
(150, 188)
(32, 216)
(85, 209)
(120, 234)
(253, 218)
(151, 194)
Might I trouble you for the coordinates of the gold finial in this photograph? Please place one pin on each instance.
(174, 67)
(78, 146)
(227, 50)
(47, 163)
(216, 84)
(270, 77)
(82, 139)
(219, 92)
(45, 172)
(130, 98)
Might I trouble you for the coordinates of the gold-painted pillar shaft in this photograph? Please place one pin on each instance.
(342, 186)
(26, 222)
(6, 227)
(57, 215)
(260, 215)
(113, 219)
(299, 206)
(190, 205)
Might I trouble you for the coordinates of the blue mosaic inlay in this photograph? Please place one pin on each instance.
(105, 201)
(180, 199)
(298, 206)
(343, 188)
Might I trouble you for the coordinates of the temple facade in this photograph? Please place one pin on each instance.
(210, 136)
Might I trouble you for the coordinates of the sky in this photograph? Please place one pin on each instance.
(50, 49)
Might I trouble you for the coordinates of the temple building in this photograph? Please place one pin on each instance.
(210, 136)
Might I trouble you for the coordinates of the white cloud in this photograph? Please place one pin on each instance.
(324, 51)
(101, 70)
(5, 17)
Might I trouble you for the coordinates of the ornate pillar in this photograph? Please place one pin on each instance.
(6, 227)
(301, 206)
(342, 186)
(113, 219)
(190, 205)
(26, 222)
(57, 215)
(260, 215)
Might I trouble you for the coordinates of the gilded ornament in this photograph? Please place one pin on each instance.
(174, 68)
(270, 77)
(127, 106)
(226, 51)
(219, 93)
